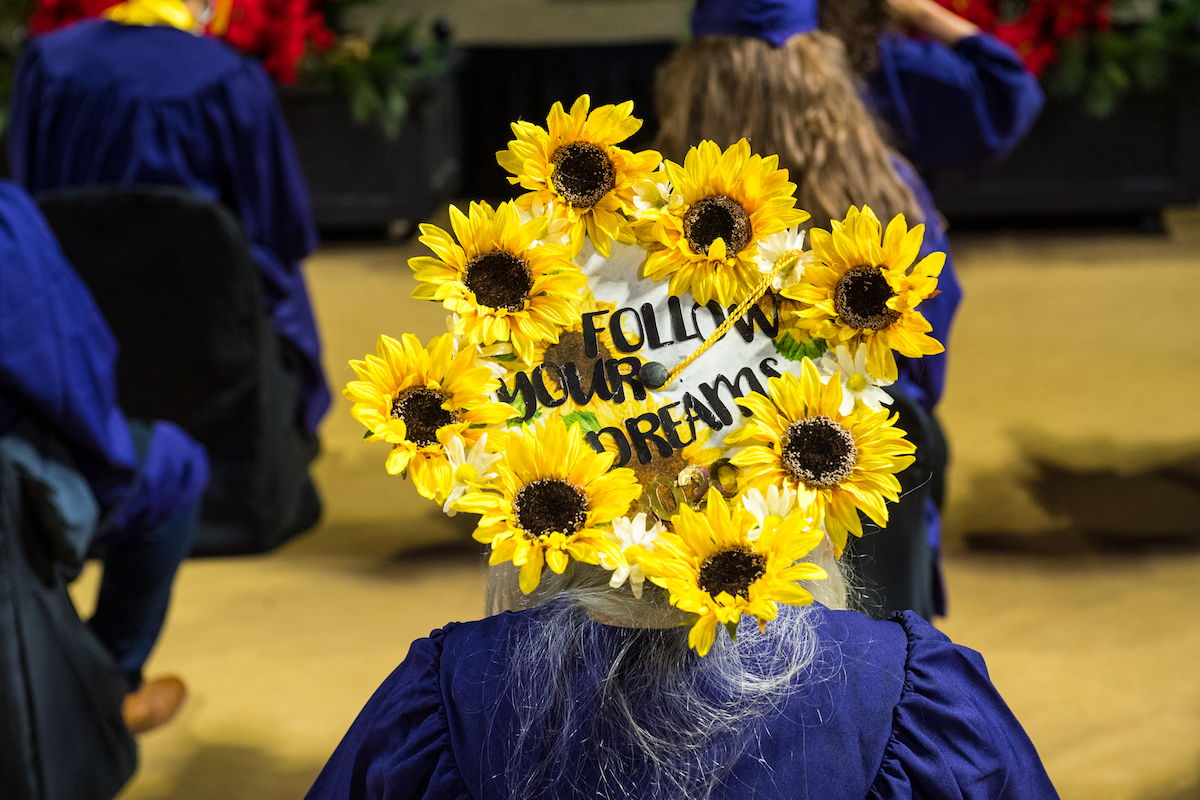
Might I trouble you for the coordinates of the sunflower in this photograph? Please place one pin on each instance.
(416, 399)
(860, 291)
(708, 242)
(554, 498)
(838, 463)
(711, 568)
(501, 285)
(576, 169)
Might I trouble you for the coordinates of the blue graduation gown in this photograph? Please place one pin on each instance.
(887, 710)
(100, 102)
(958, 106)
(58, 366)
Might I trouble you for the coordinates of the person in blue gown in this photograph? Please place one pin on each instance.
(953, 95)
(104, 102)
(551, 699)
(798, 96)
(58, 380)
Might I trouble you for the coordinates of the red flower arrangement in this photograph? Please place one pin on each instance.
(277, 32)
(1036, 32)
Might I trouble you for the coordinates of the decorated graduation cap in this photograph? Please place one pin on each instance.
(774, 21)
(173, 13)
(647, 370)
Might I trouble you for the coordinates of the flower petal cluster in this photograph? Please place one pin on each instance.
(471, 468)
(708, 241)
(554, 499)
(857, 384)
(838, 464)
(711, 568)
(638, 532)
(574, 167)
(416, 398)
(500, 285)
(862, 291)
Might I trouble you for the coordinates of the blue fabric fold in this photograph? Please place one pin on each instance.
(953, 107)
(58, 365)
(887, 710)
(952, 735)
(103, 103)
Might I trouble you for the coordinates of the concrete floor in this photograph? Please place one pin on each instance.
(1072, 526)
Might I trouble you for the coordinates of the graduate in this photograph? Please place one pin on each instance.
(765, 71)
(146, 478)
(953, 95)
(138, 96)
(664, 401)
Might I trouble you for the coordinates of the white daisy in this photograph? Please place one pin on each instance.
(856, 383)
(470, 469)
(654, 193)
(631, 533)
(775, 503)
(556, 234)
(778, 245)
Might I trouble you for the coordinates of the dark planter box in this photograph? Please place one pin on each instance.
(358, 178)
(1142, 157)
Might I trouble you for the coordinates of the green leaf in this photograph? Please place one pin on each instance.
(587, 420)
(732, 628)
(794, 349)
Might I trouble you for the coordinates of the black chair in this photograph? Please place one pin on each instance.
(175, 279)
(61, 734)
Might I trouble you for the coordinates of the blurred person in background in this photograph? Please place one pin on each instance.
(949, 94)
(138, 96)
(769, 72)
(58, 391)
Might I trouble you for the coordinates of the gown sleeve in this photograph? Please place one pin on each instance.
(953, 737)
(58, 363)
(959, 106)
(399, 747)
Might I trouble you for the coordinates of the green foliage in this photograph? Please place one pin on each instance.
(1100, 67)
(380, 74)
(588, 422)
(13, 14)
(794, 349)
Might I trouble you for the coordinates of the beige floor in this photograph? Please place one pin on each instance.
(1075, 564)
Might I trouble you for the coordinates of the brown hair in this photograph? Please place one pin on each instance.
(799, 102)
(858, 23)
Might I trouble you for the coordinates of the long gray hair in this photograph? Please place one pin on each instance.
(661, 721)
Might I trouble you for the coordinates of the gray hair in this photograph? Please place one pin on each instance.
(673, 724)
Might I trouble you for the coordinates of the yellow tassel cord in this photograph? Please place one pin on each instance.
(786, 261)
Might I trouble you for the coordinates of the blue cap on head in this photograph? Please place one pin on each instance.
(774, 21)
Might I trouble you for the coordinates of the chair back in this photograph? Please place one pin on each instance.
(174, 277)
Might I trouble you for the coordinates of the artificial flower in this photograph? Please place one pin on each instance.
(470, 468)
(637, 532)
(414, 398)
(773, 506)
(553, 500)
(838, 464)
(857, 383)
(502, 288)
(711, 568)
(574, 167)
(708, 242)
(862, 292)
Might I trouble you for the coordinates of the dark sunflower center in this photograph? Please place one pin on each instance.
(583, 173)
(499, 280)
(550, 505)
(731, 571)
(422, 412)
(819, 452)
(717, 216)
(861, 296)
